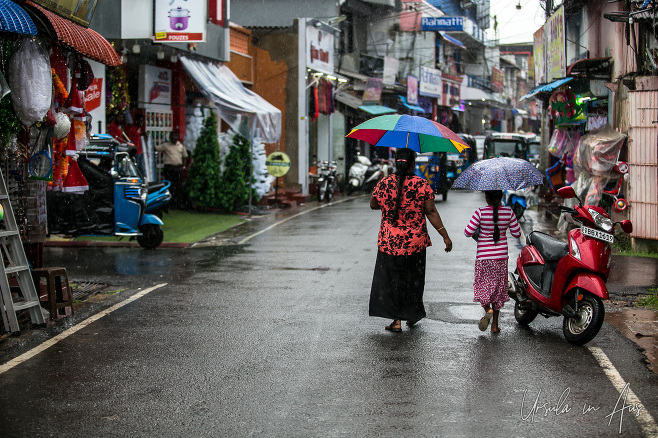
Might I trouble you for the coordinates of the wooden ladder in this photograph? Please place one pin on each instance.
(14, 265)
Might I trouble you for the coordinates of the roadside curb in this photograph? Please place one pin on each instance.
(94, 243)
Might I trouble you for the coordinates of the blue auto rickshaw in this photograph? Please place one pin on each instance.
(116, 201)
(434, 168)
(459, 162)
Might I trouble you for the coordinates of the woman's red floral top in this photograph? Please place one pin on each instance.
(408, 234)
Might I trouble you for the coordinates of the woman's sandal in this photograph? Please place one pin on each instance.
(484, 322)
(393, 327)
(412, 323)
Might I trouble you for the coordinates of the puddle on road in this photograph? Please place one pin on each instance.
(641, 327)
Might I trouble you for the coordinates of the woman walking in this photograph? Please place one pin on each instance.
(490, 285)
(399, 279)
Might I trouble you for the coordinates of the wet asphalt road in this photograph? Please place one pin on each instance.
(272, 338)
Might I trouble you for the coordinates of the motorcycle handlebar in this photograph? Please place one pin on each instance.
(567, 209)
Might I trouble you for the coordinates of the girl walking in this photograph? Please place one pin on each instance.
(490, 285)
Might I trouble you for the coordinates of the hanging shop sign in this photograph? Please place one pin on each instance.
(154, 85)
(412, 90)
(180, 21)
(556, 64)
(539, 56)
(442, 24)
(430, 82)
(497, 79)
(218, 11)
(451, 91)
(373, 91)
(391, 66)
(93, 94)
(278, 164)
(319, 49)
(79, 11)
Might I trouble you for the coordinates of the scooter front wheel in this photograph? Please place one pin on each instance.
(151, 237)
(582, 328)
(524, 316)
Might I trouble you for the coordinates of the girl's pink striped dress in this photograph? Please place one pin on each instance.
(490, 285)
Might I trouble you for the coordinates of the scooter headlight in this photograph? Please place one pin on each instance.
(601, 221)
(574, 248)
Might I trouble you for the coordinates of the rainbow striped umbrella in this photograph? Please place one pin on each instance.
(416, 133)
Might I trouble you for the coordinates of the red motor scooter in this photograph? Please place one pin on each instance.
(556, 278)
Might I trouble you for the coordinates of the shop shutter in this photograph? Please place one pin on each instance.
(643, 163)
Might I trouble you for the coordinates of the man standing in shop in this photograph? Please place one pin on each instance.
(175, 157)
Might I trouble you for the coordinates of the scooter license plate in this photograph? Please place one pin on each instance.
(600, 235)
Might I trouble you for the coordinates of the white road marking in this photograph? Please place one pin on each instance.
(65, 334)
(251, 236)
(645, 419)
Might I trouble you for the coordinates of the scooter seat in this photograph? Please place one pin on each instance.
(550, 248)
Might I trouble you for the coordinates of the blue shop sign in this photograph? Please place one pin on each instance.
(442, 24)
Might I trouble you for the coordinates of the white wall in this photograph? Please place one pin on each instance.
(136, 19)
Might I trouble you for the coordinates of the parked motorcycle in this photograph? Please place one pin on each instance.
(556, 278)
(326, 183)
(364, 174)
(516, 200)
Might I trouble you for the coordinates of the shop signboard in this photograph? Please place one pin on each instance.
(391, 66)
(154, 85)
(556, 64)
(497, 79)
(451, 90)
(412, 90)
(319, 49)
(373, 91)
(539, 56)
(218, 12)
(93, 94)
(430, 82)
(79, 11)
(180, 21)
(278, 164)
(442, 24)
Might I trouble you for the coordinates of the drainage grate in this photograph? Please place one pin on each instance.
(83, 290)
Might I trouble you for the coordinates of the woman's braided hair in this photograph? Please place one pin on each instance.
(494, 198)
(405, 161)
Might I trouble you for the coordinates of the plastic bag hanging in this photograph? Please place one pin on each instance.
(77, 136)
(31, 82)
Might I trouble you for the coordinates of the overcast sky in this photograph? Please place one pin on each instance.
(516, 26)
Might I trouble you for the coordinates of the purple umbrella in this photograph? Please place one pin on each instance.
(502, 173)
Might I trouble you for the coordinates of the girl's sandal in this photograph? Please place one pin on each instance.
(484, 322)
(395, 326)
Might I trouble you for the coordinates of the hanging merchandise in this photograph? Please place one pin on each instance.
(565, 109)
(4, 86)
(84, 75)
(313, 108)
(10, 126)
(62, 125)
(31, 82)
(41, 164)
(60, 90)
(117, 85)
(77, 136)
(75, 181)
(563, 141)
(73, 104)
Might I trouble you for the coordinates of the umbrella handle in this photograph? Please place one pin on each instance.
(407, 145)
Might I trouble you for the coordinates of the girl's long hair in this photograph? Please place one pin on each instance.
(405, 160)
(494, 197)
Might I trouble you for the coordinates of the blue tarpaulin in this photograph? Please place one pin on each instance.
(411, 107)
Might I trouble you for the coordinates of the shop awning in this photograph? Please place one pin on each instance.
(81, 39)
(14, 19)
(348, 99)
(454, 41)
(546, 88)
(411, 107)
(377, 110)
(233, 101)
(590, 67)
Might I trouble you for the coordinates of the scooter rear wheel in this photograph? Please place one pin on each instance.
(524, 316)
(582, 328)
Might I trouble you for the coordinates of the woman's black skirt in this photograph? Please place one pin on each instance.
(397, 287)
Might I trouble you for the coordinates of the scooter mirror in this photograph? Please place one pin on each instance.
(566, 192)
(627, 226)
